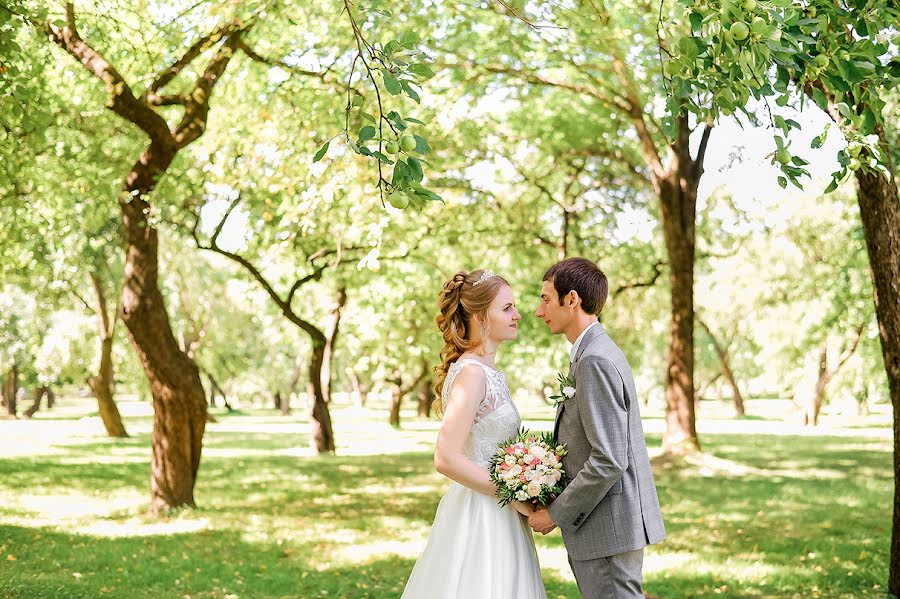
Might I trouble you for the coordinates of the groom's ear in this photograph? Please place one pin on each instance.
(572, 299)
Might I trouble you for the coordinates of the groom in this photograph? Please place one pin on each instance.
(609, 511)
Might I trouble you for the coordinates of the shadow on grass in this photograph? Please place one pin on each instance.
(810, 520)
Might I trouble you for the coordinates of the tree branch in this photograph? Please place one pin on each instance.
(701, 151)
(197, 48)
(657, 271)
(196, 110)
(613, 102)
(322, 75)
(120, 99)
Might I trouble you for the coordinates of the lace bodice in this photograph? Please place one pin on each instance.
(497, 418)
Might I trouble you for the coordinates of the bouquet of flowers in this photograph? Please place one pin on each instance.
(527, 467)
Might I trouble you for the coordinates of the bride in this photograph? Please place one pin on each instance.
(477, 549)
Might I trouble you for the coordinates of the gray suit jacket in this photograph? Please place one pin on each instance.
(610, 505)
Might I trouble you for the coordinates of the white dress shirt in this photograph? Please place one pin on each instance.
(574, 351)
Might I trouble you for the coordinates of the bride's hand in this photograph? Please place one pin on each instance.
(523, 507)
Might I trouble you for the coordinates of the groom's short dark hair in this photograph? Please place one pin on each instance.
(584, 277)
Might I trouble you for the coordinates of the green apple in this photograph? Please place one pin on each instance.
(749, 4)
(398, 199)
(821, 61)
(739, 31)
(357, 101)
(759, 26)
(783, 156)
(670, 68)
(392, 147)
(407, 142)
(854, 148)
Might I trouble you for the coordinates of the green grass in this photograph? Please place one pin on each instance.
(759, 515)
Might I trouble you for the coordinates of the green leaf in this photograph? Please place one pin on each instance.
(818, 141)
(420, 69)
(321, 153)
(844, 109)
(391, 84)
(382, 157)
(412, 120)
(368, 117)
(422, 146)
(782, 182)
(409, 39)
(410, 91)
(415, 169)
(696, 21)
(833, 185)
(367, 133)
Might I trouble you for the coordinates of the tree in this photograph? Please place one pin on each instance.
(584, 53)
(179, 400)
(838, 56)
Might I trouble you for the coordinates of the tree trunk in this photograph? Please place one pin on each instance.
(396, 399)
(101, 383)
(678, 211)
(359, 391)
(331, 339)
(879, 208)
(283, 402)
(10, 387)
(39, 393)
(426, 398)
(319, 415)
(426, 392)
(215, 387)
(179, 401)
(814, 407)
(722, 353)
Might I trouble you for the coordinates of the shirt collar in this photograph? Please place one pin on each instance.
(574, 351)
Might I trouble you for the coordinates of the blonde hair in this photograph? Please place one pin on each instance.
(464, 297)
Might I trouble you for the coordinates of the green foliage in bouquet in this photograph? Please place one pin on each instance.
(528, 467)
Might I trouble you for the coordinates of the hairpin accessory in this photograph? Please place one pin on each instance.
(484, 277)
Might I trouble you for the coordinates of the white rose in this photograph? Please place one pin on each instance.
(548, 480)
(515, 470)
(511, 460)
(521, 495)
(568, 392)
(540, 468)
(528, 458)
(533, 488)
(552, 460)
(537, 451)
(531, 474)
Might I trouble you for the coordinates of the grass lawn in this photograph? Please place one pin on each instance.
(768, 511)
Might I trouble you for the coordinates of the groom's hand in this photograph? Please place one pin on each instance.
(540, 521)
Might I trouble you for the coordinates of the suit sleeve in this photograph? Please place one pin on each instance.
(600, 399)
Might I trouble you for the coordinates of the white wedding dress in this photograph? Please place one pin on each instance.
(477, 549)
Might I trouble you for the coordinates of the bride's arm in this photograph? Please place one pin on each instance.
(459, 415)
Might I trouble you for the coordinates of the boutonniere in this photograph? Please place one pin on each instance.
(566, 388)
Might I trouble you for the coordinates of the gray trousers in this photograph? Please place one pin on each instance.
(615, 577)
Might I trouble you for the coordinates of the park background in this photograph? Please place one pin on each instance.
(223, 227)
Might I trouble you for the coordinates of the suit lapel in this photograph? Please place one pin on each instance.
(594, 332)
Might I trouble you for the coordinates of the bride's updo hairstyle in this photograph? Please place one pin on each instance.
(466, 296)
